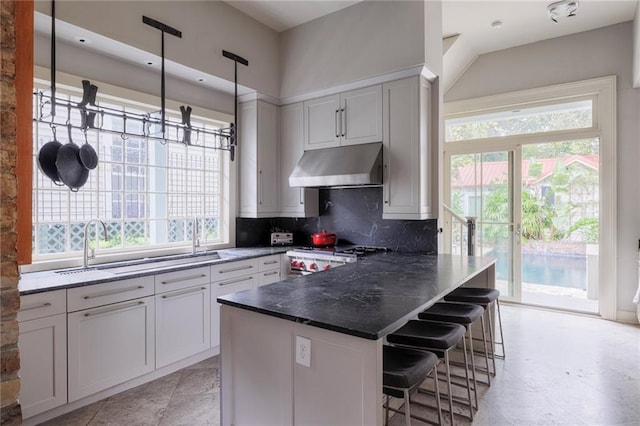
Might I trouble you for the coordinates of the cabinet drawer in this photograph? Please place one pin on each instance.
(233, 269)
(107, 293)
(269, 262)
(182, 279)
(269, 277)
(40, 305)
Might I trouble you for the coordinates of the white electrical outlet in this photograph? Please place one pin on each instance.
(303, 351)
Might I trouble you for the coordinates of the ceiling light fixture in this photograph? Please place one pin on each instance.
(496, 24)
(562, 9)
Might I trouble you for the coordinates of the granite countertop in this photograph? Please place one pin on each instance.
(37, 282)
(369, 298)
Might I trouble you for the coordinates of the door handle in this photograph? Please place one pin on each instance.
(336, 124)
(343, 122)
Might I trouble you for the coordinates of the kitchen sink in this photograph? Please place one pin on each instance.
(157, 265)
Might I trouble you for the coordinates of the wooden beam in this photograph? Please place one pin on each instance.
(24, 125)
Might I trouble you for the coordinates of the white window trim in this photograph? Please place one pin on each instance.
(229, 175)
(603, 91)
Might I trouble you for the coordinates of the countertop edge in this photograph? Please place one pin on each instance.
(259, 252)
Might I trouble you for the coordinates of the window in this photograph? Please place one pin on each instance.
(534, 119)
(147, 193)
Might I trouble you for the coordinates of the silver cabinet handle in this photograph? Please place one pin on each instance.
(266, 274)
(112, 292)
(31, 308)
(271, 262)
(260, 187)
(343, 121)
(241, 268)
(181, 279)
(301, 196)
(115, 308)
(239, 280)
(337, 128)
(180, 293)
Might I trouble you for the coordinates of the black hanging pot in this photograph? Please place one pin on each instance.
(88, 155)
(70, 168)
(47, 157)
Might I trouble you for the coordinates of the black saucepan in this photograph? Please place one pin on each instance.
(70, 168)
(88, 155)
(47, 159)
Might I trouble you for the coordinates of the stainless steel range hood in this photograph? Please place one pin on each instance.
(351, 165)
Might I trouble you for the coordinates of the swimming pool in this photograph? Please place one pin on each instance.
(546, 269)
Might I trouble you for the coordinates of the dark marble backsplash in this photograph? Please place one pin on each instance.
(355, 215)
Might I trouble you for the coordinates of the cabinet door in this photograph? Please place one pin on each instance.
(182, 324)
(43, 364)
(109, 345)
(267, 158)
(361, 116)
(401, 143)
(220, 289)
(322, 122)
(258, 157)
(294, 202)
(248, 157)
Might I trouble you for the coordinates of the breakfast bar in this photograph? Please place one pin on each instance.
(309, 350)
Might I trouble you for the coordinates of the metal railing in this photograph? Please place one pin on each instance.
(459, 233)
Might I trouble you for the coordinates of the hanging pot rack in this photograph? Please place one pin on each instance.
(155, 126)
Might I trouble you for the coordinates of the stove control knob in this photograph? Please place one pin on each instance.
(313, 266)
(294, 263)
(301, 264)
(326, 267)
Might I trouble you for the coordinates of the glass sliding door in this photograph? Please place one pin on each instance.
(560, 224)
(482, 186)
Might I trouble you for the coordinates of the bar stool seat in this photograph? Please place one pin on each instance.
(484, 297)
(441, 338)
(457, 313)
(405, 369)
(466, 315)
(480, 296)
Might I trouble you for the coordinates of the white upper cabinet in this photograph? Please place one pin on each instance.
(410, 187)
(294, 202)
(258, 157)
(347, 118)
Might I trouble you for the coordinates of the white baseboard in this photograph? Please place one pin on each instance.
(628, 317)
(156, 374)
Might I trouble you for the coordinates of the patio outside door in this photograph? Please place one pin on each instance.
(481, 185)
(537, 213)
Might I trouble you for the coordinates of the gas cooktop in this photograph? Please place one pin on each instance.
(345, 250)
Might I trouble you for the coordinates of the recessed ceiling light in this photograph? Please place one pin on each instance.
(562, 9)
(496, 24)
(82, 40)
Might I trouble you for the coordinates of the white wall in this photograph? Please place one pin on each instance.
(92, 66)
(361, 41)
(636, 47)
(207, 28)
(597, 53)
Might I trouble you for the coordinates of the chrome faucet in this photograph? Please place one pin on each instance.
(195, 241)
(86, 240)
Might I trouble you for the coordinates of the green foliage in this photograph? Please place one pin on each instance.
(589, 229)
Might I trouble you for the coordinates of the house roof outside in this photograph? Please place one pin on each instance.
(496, 172)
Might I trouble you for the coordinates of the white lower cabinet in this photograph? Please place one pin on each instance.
(109, 345)
(221, 288)
(43, 352)
(183, 324)
(269, 270)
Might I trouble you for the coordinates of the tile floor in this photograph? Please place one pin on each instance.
(561, 369)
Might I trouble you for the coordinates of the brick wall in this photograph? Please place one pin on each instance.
(10, 412)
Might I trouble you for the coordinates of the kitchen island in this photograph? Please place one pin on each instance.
(309, 350)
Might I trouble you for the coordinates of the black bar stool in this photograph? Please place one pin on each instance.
(466, 315)
(485, 297)
(440, 338)
(403, 370)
